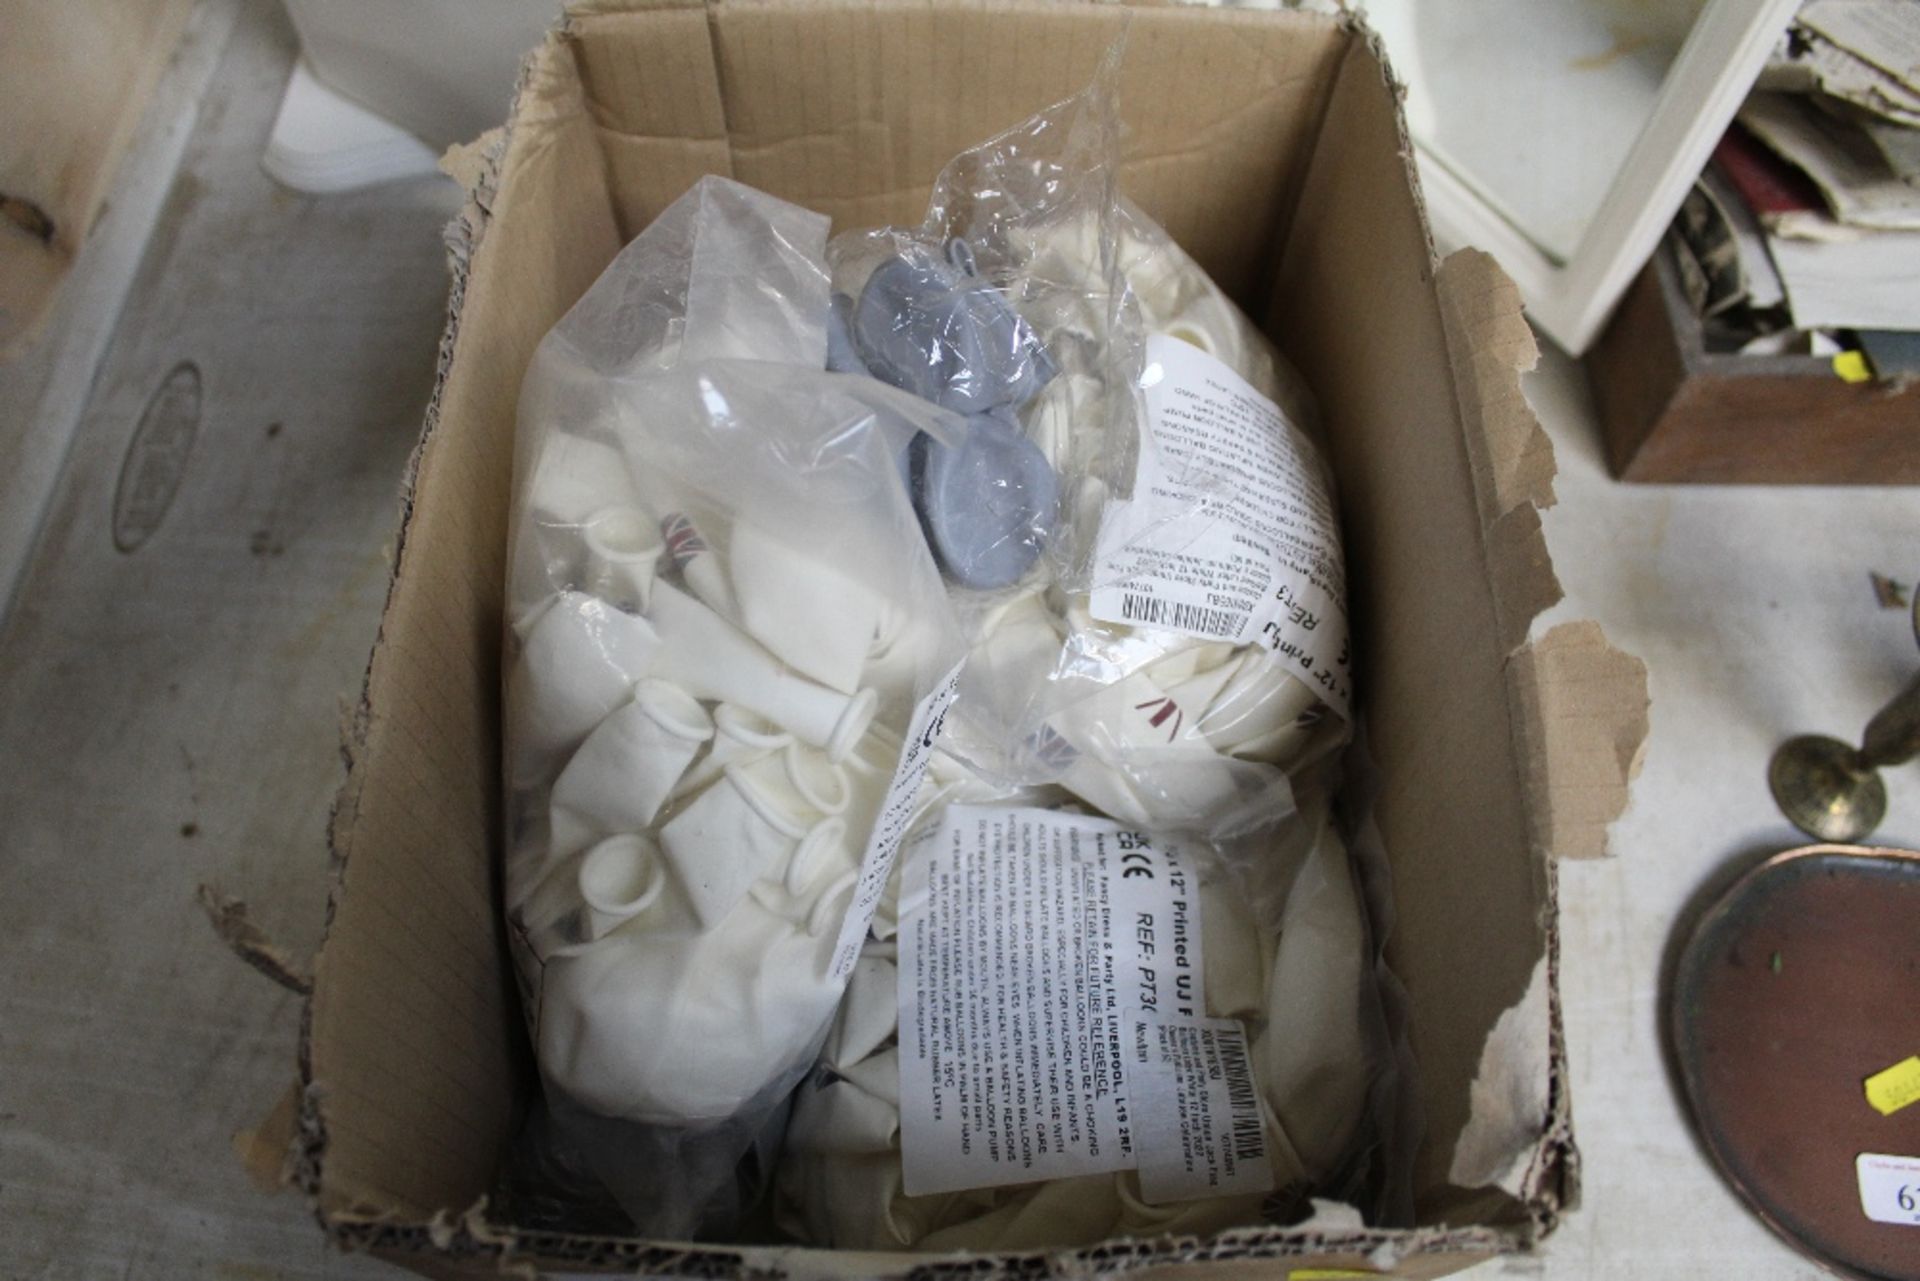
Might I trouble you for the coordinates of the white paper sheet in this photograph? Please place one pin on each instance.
(1872, 282)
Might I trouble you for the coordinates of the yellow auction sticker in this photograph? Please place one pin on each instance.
(1897, 1086)
(1852, 367)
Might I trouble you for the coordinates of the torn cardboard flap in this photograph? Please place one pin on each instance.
(1581, 709)
(474, 164)
(1441, 469)
(1501, 1140)
(1491, 345)
(1520, 567)
(266, 1151)
(250, 943)
(1579, 705)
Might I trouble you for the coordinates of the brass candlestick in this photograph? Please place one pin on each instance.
(1833, 791)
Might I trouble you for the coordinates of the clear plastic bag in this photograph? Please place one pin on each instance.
(1287, 952)
(1153, 604)
(721, 618)
(1125, 425)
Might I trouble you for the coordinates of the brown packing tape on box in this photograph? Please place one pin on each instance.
(1274, 149)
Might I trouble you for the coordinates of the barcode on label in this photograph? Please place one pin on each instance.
(1249, 1140)
(1196, 620)
(1197, 1107)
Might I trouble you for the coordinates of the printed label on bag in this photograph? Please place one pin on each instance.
(1196, 1110)
(1230, 533)
(1889, 1188)
(1026, 939)
(890, 826)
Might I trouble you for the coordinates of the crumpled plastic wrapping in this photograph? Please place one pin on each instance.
(1287, 950)
(721, 617)
(769, 490)
(1029, 301)
(1025, 301)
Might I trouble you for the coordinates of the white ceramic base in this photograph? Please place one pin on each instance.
(324, 142)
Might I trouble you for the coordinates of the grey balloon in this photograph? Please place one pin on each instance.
(988, 503)
(928, 326)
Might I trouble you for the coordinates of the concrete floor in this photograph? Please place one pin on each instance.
(168, 714)
(1755, 615)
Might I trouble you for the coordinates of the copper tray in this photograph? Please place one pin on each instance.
(1802, 981)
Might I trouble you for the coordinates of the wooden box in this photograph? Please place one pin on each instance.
(1671, 411)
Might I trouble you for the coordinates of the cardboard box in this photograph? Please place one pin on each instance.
(1271, 145)
(1670, 410)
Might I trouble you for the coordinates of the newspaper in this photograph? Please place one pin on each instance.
(1899, 146)
(1757, 283)
(1853, 176)
(1884, 34)
(1862, 52)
